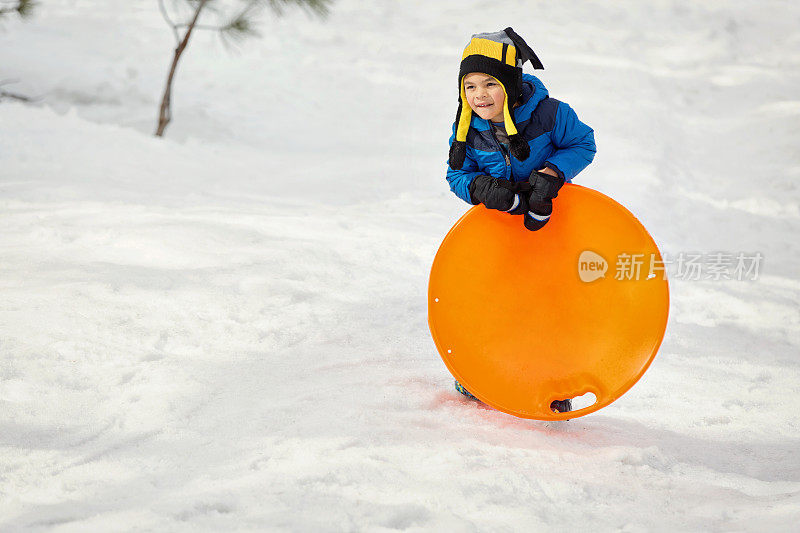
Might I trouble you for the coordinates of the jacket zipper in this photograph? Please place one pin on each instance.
(503, 151)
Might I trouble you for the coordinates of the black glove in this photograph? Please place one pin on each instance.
(498, 193)
(543, 187)
(538, 215)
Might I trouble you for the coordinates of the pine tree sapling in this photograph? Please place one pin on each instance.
(239, 26)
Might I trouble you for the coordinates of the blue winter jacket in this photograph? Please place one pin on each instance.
(556, 137)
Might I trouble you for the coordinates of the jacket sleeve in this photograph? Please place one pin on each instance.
(459, 180)
(574, 142)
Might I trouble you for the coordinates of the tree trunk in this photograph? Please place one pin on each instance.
(165, 114)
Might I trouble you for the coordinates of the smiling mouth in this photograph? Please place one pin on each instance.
(483, 105)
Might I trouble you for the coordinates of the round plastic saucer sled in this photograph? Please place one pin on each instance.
(524, 318)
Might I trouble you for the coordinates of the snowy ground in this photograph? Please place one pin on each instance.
(226, 329)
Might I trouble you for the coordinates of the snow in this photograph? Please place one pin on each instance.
(226, 329)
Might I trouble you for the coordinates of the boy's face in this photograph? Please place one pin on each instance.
(485, 96)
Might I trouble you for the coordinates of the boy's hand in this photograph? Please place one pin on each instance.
(538, 215)
(544, 185)
(498, 193)
(548, 170)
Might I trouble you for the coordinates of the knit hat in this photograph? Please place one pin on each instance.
(501, 55)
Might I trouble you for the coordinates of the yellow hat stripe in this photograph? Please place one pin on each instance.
(484, 47)
(511, 56)
(492, 49)
(464, 118)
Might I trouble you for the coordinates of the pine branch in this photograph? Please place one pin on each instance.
(240, 26)
(23, 8)
(237, 28)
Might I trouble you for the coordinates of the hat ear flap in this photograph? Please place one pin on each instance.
(525, 52)
(458, 150)
(458, 153)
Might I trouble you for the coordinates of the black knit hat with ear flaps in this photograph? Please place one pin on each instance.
(501, 55)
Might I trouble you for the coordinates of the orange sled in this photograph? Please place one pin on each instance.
(523, 318)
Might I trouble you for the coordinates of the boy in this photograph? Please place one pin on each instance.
(513, 147)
